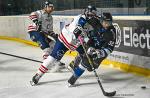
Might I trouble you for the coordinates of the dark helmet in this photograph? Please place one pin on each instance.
(90, 11)
(107, 17)
(48, 3)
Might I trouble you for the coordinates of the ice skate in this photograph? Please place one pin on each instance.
(62, 65)
(35, 79)
(57, 67)
(72, 82)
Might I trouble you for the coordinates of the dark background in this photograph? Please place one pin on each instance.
(18, 7)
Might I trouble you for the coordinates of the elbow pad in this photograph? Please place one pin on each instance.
(78, 30)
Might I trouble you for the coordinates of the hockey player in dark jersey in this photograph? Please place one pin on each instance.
(41, 30)
(101, 43)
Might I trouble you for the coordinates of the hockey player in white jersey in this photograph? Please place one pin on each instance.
(68, 39)
(41, 29)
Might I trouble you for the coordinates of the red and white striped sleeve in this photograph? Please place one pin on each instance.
(32, 27)
(33, 16)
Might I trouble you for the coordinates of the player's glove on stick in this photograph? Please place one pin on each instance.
(95, 53)
(78, 31)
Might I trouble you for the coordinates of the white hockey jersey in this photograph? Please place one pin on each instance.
(45, 19)
(67, 36)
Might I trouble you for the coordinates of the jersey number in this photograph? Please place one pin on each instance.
(111, 43)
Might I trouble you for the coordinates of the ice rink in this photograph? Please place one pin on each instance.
(15, 74)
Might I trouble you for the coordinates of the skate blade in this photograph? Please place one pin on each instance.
(75, 85)
(32, 83)
(63, 67)
(70, 86)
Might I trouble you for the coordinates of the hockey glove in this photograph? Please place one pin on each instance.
(38, 24)
(95, 53)
(78, 31)
(94, 22)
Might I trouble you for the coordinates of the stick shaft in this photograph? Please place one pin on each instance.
(20, 57)
(92, 65)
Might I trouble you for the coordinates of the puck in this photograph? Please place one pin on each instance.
(143, 87)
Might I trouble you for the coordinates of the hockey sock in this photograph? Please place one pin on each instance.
(44, 67)
(46, 52)
(78, 71)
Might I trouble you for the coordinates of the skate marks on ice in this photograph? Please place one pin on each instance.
(52, 82)
(15, 75)
(127, 85)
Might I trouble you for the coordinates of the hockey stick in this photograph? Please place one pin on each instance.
(49, 36)
(109, 94)
(25, 58)
(20, 57)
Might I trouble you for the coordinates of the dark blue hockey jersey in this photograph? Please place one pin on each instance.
(103, 40)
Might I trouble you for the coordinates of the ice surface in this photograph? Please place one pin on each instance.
(16, 73)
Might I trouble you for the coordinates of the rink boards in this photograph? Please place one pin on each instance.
(132, 51)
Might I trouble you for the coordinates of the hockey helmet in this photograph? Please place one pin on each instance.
(48, 3)
(107, 18)
(90, 11)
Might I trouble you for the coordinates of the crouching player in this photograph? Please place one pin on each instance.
(101, 43)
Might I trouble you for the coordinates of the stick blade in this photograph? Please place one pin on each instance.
(109, 94)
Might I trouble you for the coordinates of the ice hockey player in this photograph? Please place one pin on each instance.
(41, 28)
(100, 45)
(68, 39)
